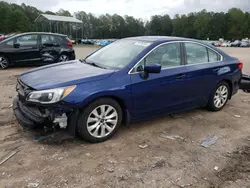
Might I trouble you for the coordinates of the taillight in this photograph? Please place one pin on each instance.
(70, 44)
(240, 65)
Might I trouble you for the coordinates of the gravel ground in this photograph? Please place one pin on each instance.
(139, 155)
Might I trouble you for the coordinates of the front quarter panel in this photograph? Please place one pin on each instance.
(116, 86)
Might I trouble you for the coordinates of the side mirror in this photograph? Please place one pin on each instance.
(16, 45)
(153, 68)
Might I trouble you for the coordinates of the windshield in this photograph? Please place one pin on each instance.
(117, 54)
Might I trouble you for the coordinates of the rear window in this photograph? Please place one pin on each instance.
(63, 39)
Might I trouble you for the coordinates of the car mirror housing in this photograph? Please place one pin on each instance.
(16, 45)
(152, 68)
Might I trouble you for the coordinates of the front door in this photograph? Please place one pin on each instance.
(164, 92)
(26, 49)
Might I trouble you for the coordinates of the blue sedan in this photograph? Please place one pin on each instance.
(129, 80)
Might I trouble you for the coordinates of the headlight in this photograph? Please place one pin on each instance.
(50, 96)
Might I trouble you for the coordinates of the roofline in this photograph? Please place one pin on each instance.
(33, 33)
(161, 38)
(43, 33)
(57, 20)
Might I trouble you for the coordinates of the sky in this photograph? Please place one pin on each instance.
(137, 8)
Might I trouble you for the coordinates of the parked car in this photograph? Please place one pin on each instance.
(218, 44)
(236, 43)
(244, 44)
(86, 41)
(8, 36)
(105, 42)
(129, 80)
(34, 49)
(73, 41)
(1, 37)
(226, 44)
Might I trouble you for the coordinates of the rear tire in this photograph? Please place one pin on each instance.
(219, 97)
(99, 120)
(4, 62)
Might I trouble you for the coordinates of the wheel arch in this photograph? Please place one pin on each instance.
(126, 117)
(7, 57)
(229, 82)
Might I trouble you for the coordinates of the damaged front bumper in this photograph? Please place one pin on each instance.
(33, 116)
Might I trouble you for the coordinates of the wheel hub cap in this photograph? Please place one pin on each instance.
(63, 58)
(102, 121)
(3, 62)
(220, 97)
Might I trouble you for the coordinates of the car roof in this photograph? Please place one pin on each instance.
(32, 33)
(161, 38)
(40, 33)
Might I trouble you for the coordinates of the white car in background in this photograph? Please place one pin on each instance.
(226, 44)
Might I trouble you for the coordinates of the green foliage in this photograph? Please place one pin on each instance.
(235, 24)
(62, 12)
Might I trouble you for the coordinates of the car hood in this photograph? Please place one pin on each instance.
(63, 74)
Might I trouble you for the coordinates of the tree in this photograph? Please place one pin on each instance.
(235, 24)
(17, 21)
(62, 12)
(49, 12)
(4, 12)
(236, 21)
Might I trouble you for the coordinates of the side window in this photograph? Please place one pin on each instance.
(27, 41)
(196, 53)
(48, 40)
(168, 55)
(9, 43)
(61, 40)
(213, 56)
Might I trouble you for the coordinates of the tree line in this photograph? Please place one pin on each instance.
(234, 24)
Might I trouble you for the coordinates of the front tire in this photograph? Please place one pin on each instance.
(4, 62)
(219, 97)
(99, 120)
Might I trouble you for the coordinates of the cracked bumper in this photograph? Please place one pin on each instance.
(31, 117)
(26, 116)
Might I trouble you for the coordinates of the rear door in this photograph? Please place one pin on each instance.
(203, 64)
(26, 49)
(50, 48)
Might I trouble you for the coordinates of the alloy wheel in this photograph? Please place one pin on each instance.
(102, 121)
(63, 58)
(3, 62)
(221, 96)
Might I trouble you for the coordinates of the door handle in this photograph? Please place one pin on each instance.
(216, 69)
(180, 76)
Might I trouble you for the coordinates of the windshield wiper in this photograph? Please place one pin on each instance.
(92, 63)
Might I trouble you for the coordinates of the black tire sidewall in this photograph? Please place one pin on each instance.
(211, 106)
(82, 120)
(8, 62)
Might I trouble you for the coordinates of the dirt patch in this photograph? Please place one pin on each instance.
(237, 167)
